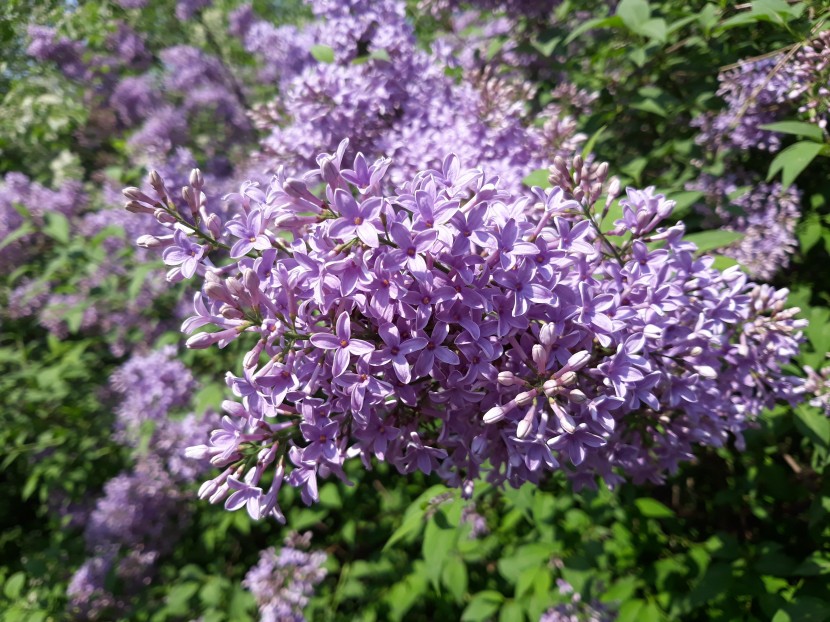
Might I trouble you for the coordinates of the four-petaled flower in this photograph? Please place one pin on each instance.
(342, 344)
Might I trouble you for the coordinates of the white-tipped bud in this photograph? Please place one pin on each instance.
(197, 452)
(494, 414)
(220, 493)
(706, 371)
(135, 194)
(526, 397)
(163, 217)
(540, 357)
(135, 207)
(569, 377)
(508, 379)
(577, 396)
(565, 420)
(214, 225)
(551, 387)
(231, 313)
(201, 341)
(547, 334)
(155, 179)
(148, 241)
(196, 178)
(207, 489)
(579, 360)
(523, 429)
(696, 351)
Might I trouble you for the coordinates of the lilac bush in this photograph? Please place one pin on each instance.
(452, 326)
(392, 98)
(144, 509)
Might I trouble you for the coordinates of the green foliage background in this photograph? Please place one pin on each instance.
(732, 536)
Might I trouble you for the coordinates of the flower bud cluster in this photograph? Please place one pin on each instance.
(453, 327)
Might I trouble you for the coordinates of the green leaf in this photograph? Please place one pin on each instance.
(810, 231)
(322, 53)
(599, 22)
(813, 424)
(538, 177)
(653, 29)
(411, 525)
(630, 611)
(797, 128)
(512, 612)
(722, 262)
(482, 606)
(589, 145)
(15, 235)
(710, 240)
(379, 54)
(437, 546)
(634, 13)
(14, 585)
(454, 578)
(793, 160)
(651, 508)
(57, 227)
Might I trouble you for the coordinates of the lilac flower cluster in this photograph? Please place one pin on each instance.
(151, 386)
(162, 108)
(26, 202)
(756, 93)
(138, 519)
(818, 387)
(534, 9)
(766, 90)
(283, 581)
(24, 208)
(453, 327)
(766, 215)
(392, 98)
(577, 610)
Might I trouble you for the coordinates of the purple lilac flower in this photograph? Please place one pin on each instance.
(577, 610)
(818, 387)
(283, 581)
(400, 101)
(607, 354)
(766, 215)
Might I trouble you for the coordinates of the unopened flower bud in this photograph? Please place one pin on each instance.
(201, 341)
(706, 371)
(231, 313)
(540, 357)
(526, 397)
(148, 241)
(163, 217)
(135, 207)
(494, 414)
(579, 360)
(135, 194)
(569, 377)
(577, 396)
(524, 427)
(696, 351)
(196, 178)
(508, 379)
(551, 387)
